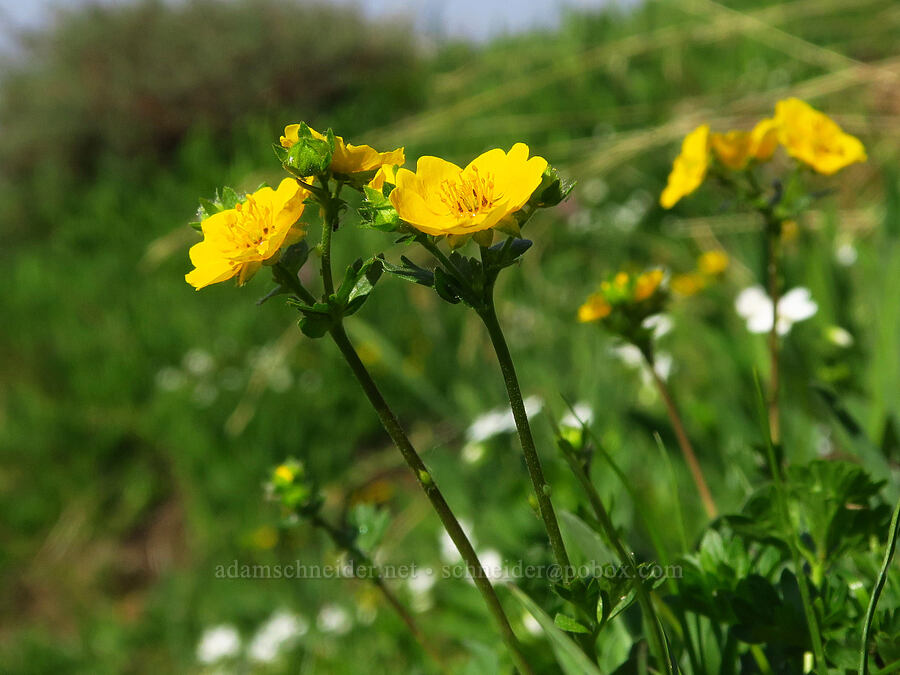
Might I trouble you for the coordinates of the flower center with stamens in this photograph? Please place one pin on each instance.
(470, 193)
(253, 224)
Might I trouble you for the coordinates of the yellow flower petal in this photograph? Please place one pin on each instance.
(731, 148)
(814, 138)
(647, 283)
(689, 168)
(712, 263)
(595, 308)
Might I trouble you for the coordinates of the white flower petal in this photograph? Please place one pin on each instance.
(753, 301)
(217, 643)
(797, 305)
(760, 322)
(660, 324)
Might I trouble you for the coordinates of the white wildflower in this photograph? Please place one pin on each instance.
(281, 629)
(756, 308)
(217, 643)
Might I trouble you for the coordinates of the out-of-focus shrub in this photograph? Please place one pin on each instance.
(134, 79)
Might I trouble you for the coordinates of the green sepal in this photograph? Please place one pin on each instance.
(484, 237)
(509, 224)
(378, 212)
(551, 191)
(229, 198)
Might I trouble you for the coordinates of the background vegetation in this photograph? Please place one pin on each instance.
(138, 420)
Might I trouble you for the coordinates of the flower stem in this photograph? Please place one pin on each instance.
(773, 237)
(374, 575)
(876, 592)
(451, 524)
(684, 442)
(656, 635)
(488, 315)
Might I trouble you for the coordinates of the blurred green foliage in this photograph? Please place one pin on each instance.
(138, 419)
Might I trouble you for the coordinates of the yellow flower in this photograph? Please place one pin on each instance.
(689, 168)
(712, 263)
(735, 148)
(385, 174)
(595, 308)
(236, 242)
(348, 158)
(814, 138)
(688, 284)
(646, 284)
(285, 473)
(441, 198)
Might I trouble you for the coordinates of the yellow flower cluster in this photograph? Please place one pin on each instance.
(710, 264)
(623, 290)
(806, 134)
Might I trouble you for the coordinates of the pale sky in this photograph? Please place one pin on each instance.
(476, 19)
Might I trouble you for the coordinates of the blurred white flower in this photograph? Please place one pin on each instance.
(217, 643)
(282, 628)
(581, 413)
(334, 619)
(449, 554)
(594, 190)
(492, 562)
(846, 254)
(473, 452)
(660, 324)
(755, 306)
(420, 585)
(198, 362)
(839, 337)
(170, 379)
(631, 356)
(500, 421)
(204, 394)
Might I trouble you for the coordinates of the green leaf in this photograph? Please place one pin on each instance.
(446, 286)
(359, 281)
(568, 624)
(569, 656)
(410, 272)
(590, 542)
(371, 523)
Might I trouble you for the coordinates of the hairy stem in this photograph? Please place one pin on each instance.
(488, 315)
(451, 524)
